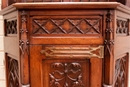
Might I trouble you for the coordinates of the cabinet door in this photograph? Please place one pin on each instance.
(65, 66)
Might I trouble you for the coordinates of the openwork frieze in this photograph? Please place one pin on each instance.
(11, 27)
(122, 27)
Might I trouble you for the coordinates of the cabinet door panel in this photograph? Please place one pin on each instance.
(48, 70)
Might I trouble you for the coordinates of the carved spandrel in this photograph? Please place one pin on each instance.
(67, 26)
(74, 52)
(67, 72)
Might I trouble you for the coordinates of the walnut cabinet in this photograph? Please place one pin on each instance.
(68, 44)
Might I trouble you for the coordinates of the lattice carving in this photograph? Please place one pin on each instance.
(122, 27)
(13, 73)
(121, 69)
(11, 27)
(66, 26)
(67, 72)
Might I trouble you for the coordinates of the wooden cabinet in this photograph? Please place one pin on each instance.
(67, 44)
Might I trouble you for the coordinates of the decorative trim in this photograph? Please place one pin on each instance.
(76, 25)
(108, 48)
(109, 38)
(74, 51)
(24, 47)
(122, 27)
(24, 42)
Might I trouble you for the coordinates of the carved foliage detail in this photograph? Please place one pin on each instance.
(66, 26)
(121, 72)
(13, 75)
(68, 72)
(11, 27)
(122, 27)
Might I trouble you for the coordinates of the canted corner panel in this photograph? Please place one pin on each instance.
(121, 72)
(12, 72)
(73, 51)
(10, 26)
(67, 25)
(122, 27)
(69, 73)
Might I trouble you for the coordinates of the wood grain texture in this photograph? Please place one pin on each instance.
(55, 43)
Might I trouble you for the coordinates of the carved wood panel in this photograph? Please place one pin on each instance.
(69, 73)
(11, 27)
(122, 27)
(68, 25)
(13, 72)
(121, 72)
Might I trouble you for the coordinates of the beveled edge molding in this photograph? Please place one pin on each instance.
(26, 85)
(73, 51)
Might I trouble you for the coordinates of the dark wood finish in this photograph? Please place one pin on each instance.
(82, 44)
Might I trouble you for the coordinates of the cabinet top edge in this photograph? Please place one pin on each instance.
(67, 5)
(64, 5)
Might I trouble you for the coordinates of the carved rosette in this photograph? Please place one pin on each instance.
(24, 47)
(65, 73)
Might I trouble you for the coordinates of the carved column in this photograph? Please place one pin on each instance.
(109, 50)
(24, 47)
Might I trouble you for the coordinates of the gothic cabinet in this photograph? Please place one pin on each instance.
(84, 44)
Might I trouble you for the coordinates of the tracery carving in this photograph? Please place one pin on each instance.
(11, 27)
(24, 47)
(65, 71)
(67, 26)
(109, 38)
(122, 27)
(121, 75)
(13, 72)
(24, 42)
